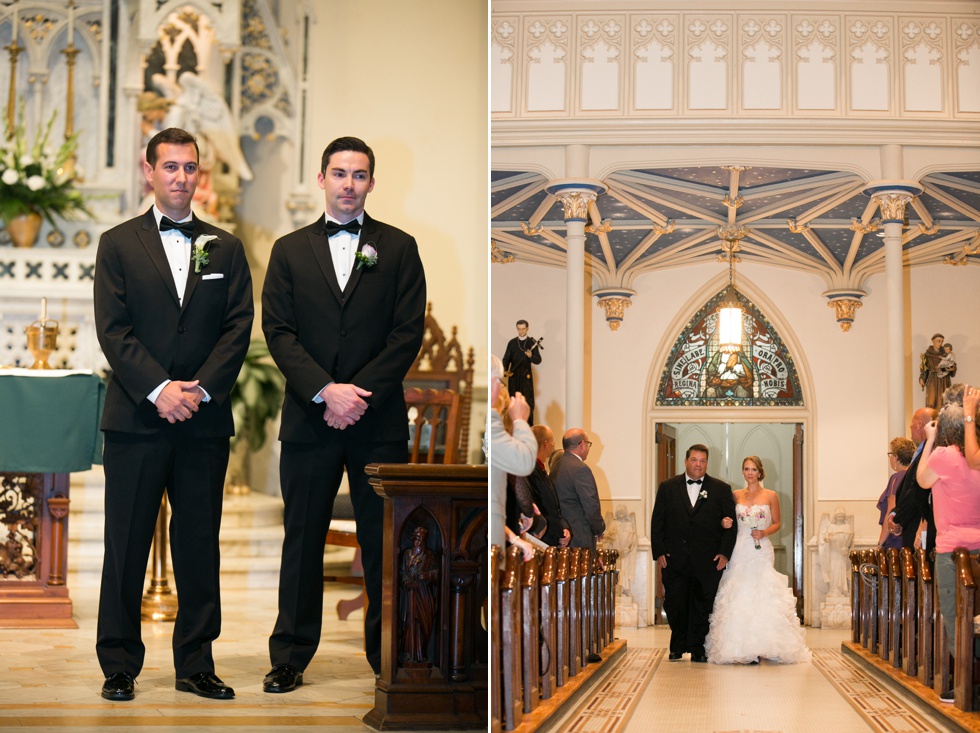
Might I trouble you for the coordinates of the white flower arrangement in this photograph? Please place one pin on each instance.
(36, 177)
(368, 256)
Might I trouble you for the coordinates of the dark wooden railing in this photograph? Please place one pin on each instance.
(549, 616)
(895, 615)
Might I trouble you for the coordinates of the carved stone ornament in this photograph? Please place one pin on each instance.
(892, 204)
(845, 308)
(615, 307)
(498, 256)
(576, 204)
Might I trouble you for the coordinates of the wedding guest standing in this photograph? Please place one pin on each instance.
(955, 488)
(343, 310)
(692, 549)
(901, 450)
(173, 309)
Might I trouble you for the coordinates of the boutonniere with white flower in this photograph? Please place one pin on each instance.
(703, 494)
(199, 252)
(368, 256)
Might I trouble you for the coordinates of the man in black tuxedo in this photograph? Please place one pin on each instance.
(692, 548)
(343, 310)
(912, 502)
(520, 354)
(173, 310)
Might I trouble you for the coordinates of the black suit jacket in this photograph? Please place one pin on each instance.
(147, 336)
(367, 335)
(911, 505)
(692, 536)
(546, 498)
(579, 498)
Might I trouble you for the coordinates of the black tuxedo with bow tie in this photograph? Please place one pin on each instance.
(147, 337)
(368, 335)
(690, 537)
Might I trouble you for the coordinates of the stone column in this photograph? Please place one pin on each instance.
(892, 196)
(575, 196)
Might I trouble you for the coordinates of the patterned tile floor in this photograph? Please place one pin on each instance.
(647, 693)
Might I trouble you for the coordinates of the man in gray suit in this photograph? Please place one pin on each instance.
(577, 491)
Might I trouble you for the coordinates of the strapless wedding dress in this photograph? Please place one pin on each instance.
(755, 611)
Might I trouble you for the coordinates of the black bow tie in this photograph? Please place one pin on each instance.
(694, 481)
(332, 227)
(185, 227)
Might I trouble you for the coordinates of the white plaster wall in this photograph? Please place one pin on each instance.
(847, 439)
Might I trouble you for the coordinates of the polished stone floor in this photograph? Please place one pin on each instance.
(50, 679)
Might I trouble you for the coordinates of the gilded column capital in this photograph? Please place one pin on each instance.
(614, 302)
(575, 195)
(892, 197)
(844, 303)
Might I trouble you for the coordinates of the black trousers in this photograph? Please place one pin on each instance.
(310, 475)
(688, 600)
(137, 470)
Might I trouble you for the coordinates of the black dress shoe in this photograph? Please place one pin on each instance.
(119, 686)
(593, 659)
(675, 656)
(283, 678)
(206, 684)
(702, 658)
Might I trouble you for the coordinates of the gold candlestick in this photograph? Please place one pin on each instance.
(70, 54)
(14, 48)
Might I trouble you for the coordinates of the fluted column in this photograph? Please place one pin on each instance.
(575, 196)
(892, 196)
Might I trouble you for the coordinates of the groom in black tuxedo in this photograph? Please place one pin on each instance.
(343, 310)
(173, 310)
(692, 548)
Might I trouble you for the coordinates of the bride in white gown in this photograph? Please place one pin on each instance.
(754, 614)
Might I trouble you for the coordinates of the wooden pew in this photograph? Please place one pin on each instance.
(926, 618)
(548, 608)
(909, 612)
(967, 607)
(856, 593)
(547, 614)
(895, 583)
(869, 600)
(530, 636)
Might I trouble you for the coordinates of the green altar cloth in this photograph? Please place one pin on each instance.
(50, 424)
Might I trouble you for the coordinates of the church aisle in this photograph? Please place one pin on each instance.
(50, 679)
(828, 694)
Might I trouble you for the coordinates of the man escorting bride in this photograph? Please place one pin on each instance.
(754, 613)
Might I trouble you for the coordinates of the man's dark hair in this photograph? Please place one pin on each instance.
(344, 144)
(170, 136)
(522, 322)
(696, 447)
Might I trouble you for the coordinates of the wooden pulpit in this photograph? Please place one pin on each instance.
(434, 596)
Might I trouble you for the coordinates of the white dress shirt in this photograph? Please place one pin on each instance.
(343, 248)
(693, 489)
(177, 247)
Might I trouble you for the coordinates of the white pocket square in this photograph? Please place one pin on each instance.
(213, 276)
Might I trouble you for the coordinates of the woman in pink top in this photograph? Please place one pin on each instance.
(955, 502)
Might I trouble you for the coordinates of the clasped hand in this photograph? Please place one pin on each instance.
(343, 404)
(178, 401)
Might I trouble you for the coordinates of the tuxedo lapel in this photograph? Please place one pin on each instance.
(193, 277)
(149, 237)
(320, 244)
(369, 235)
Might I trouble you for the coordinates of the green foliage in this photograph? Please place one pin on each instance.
(34, 176)
(257, 396)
